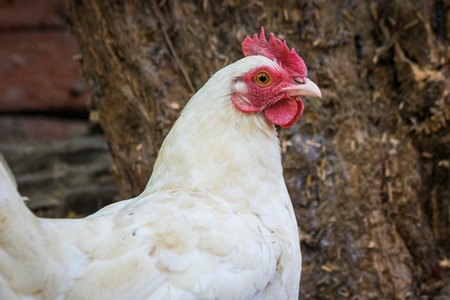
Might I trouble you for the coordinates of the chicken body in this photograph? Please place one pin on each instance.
(214, 222)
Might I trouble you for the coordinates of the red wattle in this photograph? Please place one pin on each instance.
(285, 112)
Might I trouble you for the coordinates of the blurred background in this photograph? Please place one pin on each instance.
(45, 131)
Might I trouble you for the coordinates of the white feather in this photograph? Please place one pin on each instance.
(214, 222)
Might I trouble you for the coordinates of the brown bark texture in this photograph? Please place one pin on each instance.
(367, 166)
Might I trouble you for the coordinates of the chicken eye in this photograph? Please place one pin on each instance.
(262, 78)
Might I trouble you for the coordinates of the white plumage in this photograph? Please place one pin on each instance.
(214, 222)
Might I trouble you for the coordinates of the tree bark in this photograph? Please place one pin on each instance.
(367, 165)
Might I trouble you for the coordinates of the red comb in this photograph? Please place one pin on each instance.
(276, 50)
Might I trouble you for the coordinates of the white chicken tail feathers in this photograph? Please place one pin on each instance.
(5, 172)
(11, 203)
(13, 211)
(19, 241)
(14, 214)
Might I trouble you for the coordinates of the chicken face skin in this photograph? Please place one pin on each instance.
(275, 92)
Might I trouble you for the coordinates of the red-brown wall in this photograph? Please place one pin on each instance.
(38, 73)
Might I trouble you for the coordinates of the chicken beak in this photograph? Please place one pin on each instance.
(308, 88)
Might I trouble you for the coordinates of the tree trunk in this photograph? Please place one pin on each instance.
(367, 165)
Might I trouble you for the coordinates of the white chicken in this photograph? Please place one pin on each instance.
(215, 220)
